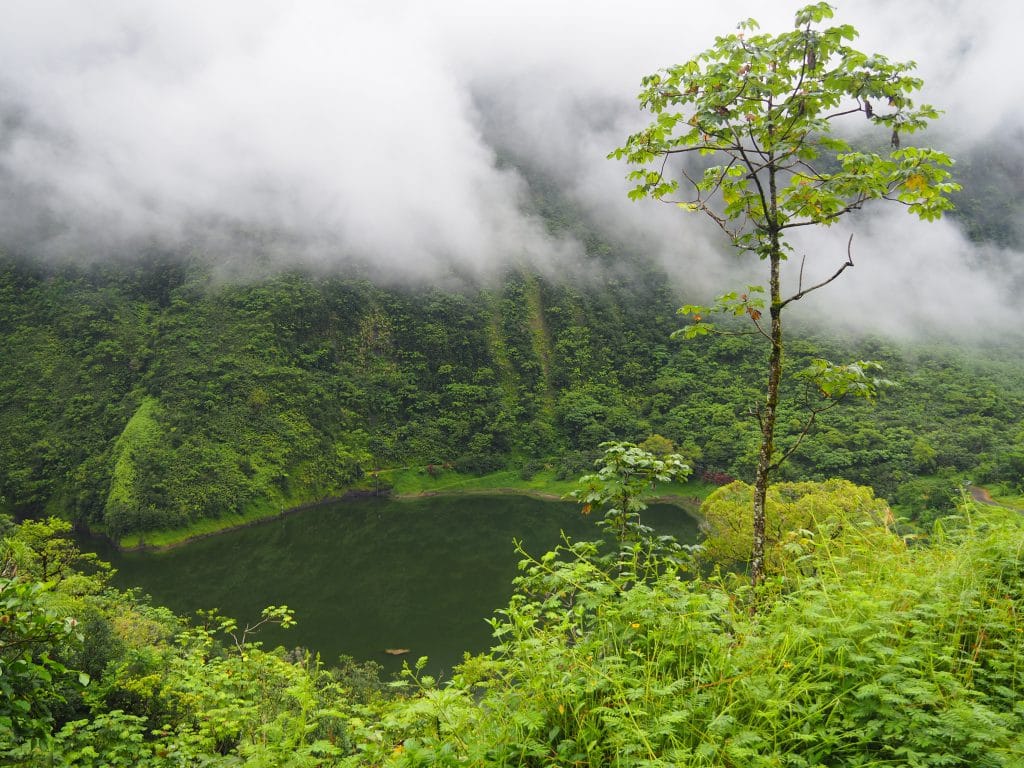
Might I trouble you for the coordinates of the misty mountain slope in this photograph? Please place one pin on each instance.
(991, 208)
(152, 392)
(156, 395)
(136, 125)
(291, 388)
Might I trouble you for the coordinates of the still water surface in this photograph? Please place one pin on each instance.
(372, 574)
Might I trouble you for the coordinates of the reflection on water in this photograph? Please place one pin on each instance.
(368, 575)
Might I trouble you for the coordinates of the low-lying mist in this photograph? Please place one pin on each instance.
(410, 138)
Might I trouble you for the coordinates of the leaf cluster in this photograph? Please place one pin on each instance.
(752, 123)
(862, 649)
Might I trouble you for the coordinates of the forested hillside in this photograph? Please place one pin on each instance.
(263, 256)
(154, 394)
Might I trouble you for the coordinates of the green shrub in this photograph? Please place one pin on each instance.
(870, 654)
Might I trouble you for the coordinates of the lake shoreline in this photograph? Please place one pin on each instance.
(690, 504)
(424, 573)
(354, 495)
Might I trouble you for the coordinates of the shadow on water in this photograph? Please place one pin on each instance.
(364, 576)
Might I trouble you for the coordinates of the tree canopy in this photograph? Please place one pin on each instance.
(764, 109)
(751, 122)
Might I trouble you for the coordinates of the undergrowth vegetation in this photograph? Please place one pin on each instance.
(865, 648)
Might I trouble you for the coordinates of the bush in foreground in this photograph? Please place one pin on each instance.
(870, 653)
(863, 652)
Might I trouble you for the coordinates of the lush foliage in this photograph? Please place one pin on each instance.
(793, 513)
(157, 396)
(96, 677)
(148, 396)
(863, 651)
(870, 652)
(764, 106)
(625, 474)
(152, 394)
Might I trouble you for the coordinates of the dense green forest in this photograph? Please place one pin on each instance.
(152, 395)
(860, 603)
(157, 392)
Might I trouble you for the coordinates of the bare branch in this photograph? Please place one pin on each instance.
(700, 197)
(757, 182)
(719, 332)
(759, 328)
(815, 412)
(834, 115)
(801, 292)
(754, 316)
(813, 173)
(683, 150)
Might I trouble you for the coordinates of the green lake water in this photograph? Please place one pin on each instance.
(367, 575)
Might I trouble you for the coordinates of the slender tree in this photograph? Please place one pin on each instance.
(745, 133)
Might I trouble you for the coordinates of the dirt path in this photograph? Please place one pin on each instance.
(982, 496)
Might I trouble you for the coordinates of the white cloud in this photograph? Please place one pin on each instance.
(355, 129)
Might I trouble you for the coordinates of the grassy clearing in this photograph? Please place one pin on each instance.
(416, 481)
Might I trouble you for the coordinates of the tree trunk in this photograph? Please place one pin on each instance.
(768, 416)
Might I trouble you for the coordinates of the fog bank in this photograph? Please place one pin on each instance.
(390, 133)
